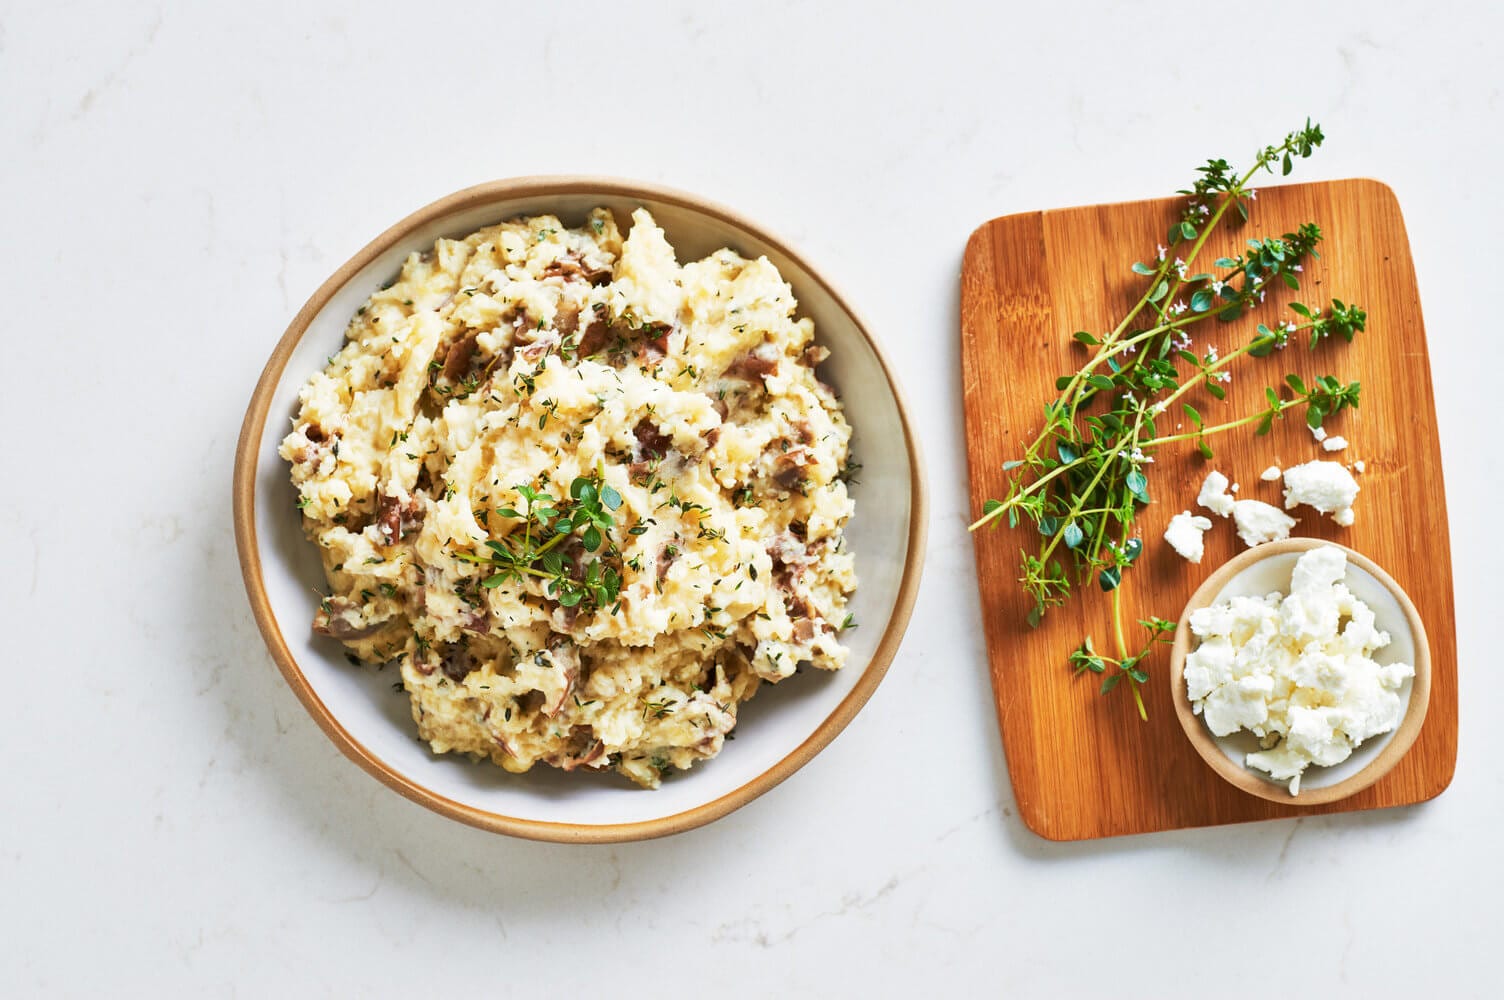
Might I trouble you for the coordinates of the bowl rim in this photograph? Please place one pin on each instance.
(244, 516)
(1245, 778)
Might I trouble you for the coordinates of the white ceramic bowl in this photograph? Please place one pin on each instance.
(779, 731)
(1267, 569)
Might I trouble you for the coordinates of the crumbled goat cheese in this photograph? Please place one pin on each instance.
(1296, 671)
(1259, 522)
(1319, 433)
(1334, 443)
(1327, 486)
(1214, 496)
(1270, 474)
(1184, 534)
(1359, 467)
(1235, 487)
(1344, 517)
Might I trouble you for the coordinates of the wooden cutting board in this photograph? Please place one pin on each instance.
(1084, 765)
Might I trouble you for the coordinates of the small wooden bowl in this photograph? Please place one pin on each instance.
(1265, 569)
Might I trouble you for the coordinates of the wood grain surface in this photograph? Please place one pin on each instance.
(1083, 765)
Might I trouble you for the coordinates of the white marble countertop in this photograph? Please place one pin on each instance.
(179, 177)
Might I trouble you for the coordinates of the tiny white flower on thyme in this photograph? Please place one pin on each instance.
(1178, 308)
(1130, 348)
(1137, 457)
(1180, 267)
(1296, 267)
(1184, 343)
(1252, 194)
(1224, 376)
(1203, 210)
(1211, 354)
(1261, 295)
(1157, 408)
(1161, 248)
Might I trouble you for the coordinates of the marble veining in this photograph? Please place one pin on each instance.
(182, 176)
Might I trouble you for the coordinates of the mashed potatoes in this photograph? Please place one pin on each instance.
(586, 497)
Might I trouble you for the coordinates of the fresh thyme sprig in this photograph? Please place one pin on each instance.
(1083, 478)
(1097, 476)
(1086, 657)
(535, 551)
(1198, 219)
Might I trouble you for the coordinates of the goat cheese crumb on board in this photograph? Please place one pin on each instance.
(1184, 533)
(1325, 486)
(1214, 496)
(1258, 522)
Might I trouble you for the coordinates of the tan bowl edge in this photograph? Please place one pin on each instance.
(250, 559)
(1201, 737)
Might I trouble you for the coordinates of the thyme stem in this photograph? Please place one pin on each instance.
(1084, 476)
